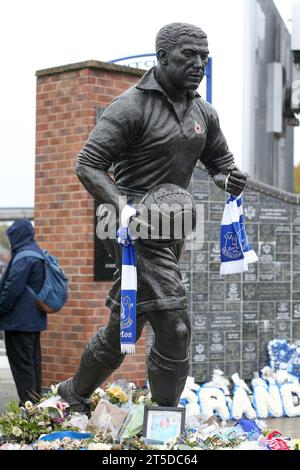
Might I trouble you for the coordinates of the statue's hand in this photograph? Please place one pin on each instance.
(135, 218)
(232, 181)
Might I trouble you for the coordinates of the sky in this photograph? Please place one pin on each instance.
(37, 34)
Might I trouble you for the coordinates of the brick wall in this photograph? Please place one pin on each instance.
(67, 98)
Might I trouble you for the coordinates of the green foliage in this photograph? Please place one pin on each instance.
(26, 424)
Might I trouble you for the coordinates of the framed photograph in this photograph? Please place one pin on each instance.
(162, 423)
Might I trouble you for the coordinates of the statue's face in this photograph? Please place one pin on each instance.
(185, 64)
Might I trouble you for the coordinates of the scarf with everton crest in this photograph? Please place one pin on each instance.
(236, 253)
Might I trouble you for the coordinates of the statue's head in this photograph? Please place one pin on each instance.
(182, 53)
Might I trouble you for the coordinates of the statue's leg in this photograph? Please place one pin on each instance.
(168, 362)
(101, 357)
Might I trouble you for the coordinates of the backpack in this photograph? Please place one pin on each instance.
(54, 292)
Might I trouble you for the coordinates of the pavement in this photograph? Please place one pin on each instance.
(8, 390)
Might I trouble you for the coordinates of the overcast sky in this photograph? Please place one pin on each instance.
(37, 34)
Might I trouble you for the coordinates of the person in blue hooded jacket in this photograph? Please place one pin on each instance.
(20, 317)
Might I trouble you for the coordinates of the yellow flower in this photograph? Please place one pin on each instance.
(117, 392)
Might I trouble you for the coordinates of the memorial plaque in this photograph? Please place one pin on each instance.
(200, 190)
(266, 311)
(248, 368)
(267, 272)
(232, 368)
(283, 243)
(283, 258)
(199, 352)
(296, 244)
(232, 351)
(250, 212)
(250, 351)
(200, 336)
(216, 212)
(200, 372)
(215, 252)
(250, 316)
(232, 336)
(217, 291)
(252, 274)
(267, 232)
(266, 252)
(282, 272)
(252, 232)
(283, 329)
(214, 272)
(296, 228)
(211, 233)
(295, 330)
(267, 291)
(250, 291)
(224, 321)
(200, 282)
(233, 307)
(185, 260)
(216, 194)
(296, 296)
(296, 215)
(274, 214)
(250, 306)
(199, 297)
(282, 311)
(250, 330)
(296, 282)
(199, 261)
(199, 321)
(296, 311)
(217, 307)
(233, 291)
(266, 326)
(296, 259)
(200, 307)
(252, 197)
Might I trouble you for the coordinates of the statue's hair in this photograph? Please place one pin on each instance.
(169, 36)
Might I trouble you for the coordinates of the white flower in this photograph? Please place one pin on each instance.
(54, 389)
(100, 391)
(28, 405)
(141, 399)
(41, 423)
(16, 431)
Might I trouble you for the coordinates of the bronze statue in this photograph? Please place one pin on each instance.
(152, 134)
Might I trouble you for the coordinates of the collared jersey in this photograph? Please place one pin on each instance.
(142, 136)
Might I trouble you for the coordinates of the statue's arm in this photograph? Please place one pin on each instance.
(219, 161)
(106, 143)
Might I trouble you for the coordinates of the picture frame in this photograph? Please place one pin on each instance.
(162, 423)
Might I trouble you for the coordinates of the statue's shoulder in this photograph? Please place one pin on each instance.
(206, 109)
(130, 99)
(129, 104)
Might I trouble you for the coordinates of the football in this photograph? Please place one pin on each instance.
(171, 213)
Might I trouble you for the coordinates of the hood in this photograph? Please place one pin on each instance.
(20, 233)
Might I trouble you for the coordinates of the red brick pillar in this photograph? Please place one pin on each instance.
(67, 98)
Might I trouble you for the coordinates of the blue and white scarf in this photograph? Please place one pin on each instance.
(236, 252)
(128, 285)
